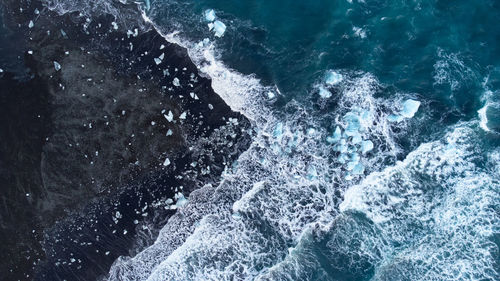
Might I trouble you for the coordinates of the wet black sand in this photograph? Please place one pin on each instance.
(82, 148)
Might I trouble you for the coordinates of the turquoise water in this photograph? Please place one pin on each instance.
(412, 199)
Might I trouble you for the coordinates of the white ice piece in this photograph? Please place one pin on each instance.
(210, 15)
(31, 24)
(183, 115)
(410, 107)
(176, 82)
(324, 93)
(366, 146)
(169, 117)
(57, 66)
(219, 28)
(159, 59)
(166, 162)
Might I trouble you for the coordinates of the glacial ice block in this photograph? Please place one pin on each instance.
(353, 124)
(181, 200)
(356, 138)
(324, 93)
(350, 165)
(359, 169)
(333, 78)
(166, 162)
(366, 146)
(176, 82)
(57, 66)
(343, 158)
(159, 59)
(395, 118)
(337, 134)
(219, 28)
(169, 117)
(210, 15)
(410, 107)
(278, 131)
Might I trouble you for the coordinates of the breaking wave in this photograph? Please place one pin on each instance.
(307, 203)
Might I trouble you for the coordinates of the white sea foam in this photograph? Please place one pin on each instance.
(436, 205)
(284, 192)
(286, 181)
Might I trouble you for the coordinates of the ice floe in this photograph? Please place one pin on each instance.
(159, 59)
(176, 82)
(169, 117)
(214, 25)
(408, 110)
(210, 15)
(57, 66)
(166, 162)
(219, 28)
(324, 93)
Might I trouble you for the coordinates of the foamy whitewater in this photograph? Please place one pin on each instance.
(350, 179)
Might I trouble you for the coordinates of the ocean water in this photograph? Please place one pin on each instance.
(375, 153)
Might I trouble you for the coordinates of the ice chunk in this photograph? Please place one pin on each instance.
(169, 117)
(31, 24)
(183, 115)
(337, 134)
(159, 59)
(353, 124)
(181, 200)
(366, 146)
(333, 78)
(57, 66)
(395, 118)
(341, 147)
(219, 28)
(350, 165)
(359, 169)
(355, 157)
(210, 15)
(176, 82)
(166, 162)
(1, 70)
(169, 132)
(356, 138)
(210, 26)
(324, 93)
(115, 25)
(270, 95)
(278, 131)
(410, 107)
(343, 158)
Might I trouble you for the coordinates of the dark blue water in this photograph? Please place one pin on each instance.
(376, 153)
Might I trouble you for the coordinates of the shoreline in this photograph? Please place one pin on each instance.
(116, 80)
